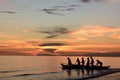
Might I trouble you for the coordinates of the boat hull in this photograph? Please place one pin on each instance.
(84, 67)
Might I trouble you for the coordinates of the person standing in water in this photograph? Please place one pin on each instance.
(88, 62)
(92, 61)
(78, 61)
(69, 61)
(99, 63)
(83, 62)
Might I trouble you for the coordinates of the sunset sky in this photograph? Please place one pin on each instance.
(29, 27)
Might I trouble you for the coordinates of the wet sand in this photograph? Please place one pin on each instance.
(111, 74)
(114, 76)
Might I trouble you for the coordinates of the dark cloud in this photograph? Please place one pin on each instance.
(49, 11)
(52, 44)
(69, 9)
(54, 32)
(52, 36)
(86, 1)
(61, 30)
(9, 12)
(57, 10)
(52, 11)
(65, 7)
(50, 50)
(60, 9)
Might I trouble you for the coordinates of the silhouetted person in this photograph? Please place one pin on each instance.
(78, 61)
(88, 62)
(69, 61)
(99, 63)
(83, 62)
(92, 61)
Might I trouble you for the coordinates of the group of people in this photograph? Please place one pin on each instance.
(90, 62)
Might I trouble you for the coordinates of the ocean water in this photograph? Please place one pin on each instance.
(46, 67)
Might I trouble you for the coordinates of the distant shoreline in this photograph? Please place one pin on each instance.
(90, 55)
(82, 54)
(61, 55)
(85, 54)
(79, 55)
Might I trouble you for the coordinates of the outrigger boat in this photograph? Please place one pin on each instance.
(74, 66)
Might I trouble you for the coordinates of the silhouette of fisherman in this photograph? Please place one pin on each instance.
(78, 61)
(88, 62)
(69, 61)
(99, 63)
(92, 61)
(83, 61)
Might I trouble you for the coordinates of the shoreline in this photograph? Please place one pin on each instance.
(112, 76)
(102, 74)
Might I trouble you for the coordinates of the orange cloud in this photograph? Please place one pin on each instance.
(115, 35)
(14, 51)
(89, 48)
(96, 31)
(78, 40)
(17, 47)
(17, 44)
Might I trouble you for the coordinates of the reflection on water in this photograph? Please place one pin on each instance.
(80, 73)
(45, 67)
(86, 74)
(69, 72)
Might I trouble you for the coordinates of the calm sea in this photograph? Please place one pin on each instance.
(45, 67)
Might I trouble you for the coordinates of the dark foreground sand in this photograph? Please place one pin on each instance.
(114, 76)
(111, 74)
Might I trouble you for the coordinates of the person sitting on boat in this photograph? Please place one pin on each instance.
(69, 61)
(92, 61)
(99, 63)
(83, 61)
(78, 61)
(88, 62)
